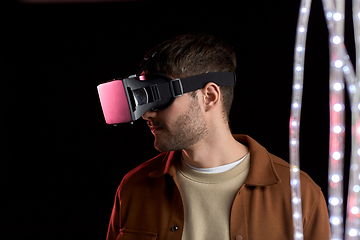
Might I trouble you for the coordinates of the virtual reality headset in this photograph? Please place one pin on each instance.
(126, 100)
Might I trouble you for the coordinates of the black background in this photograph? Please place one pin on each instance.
(61, 164)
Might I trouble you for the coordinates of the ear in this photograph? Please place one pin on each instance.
(211, 95)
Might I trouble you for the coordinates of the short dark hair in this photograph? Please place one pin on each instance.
(190, 55)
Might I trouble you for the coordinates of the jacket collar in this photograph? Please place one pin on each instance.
(262, 170)
(168, 165)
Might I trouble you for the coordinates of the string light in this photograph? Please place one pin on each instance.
(340, 68)
(353, 219)
(299, 56)
(338, 63)
(337, 16)
(301, 29)
(336, 220)
(336, 40)
(337, 87)
(353, 232)
(354, 210)
(334, 12)
(338, 107)
(336, 155)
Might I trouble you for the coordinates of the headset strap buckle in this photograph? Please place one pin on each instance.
(176, 87)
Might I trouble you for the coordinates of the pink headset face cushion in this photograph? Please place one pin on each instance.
(114, 102)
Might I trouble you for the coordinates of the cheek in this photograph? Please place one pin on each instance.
(180, 105)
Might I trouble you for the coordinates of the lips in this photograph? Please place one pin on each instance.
(155, 129)
(155, 126)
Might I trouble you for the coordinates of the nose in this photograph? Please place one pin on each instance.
(149, 114)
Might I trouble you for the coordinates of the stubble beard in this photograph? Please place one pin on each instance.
(187, 130)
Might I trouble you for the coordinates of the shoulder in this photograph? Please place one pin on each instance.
(283, 170)
(314, 207)
(150, 174)
(143, 170)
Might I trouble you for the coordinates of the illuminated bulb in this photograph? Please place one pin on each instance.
(335, 178)
(334, 201)
(304, 10)
(336, 40)
(337, 16)
(300, 49)
(298, 68)
(293, 142)
(296, 200)
(298, 235)
(295, 169)
(294, 123)
(352, 89)
(346, 69)
(297, 86)
(295, 105)
(337, 107)
(296, 215)
(294, 182)
(353, 232)
(335, 220)
(336, 155)
(358, 15)
(301, 29)
(337, 86)
(338, 64)
(354, 210)
(358, 151)
(356, 188)
(354, 167)
(337, 129)
(329, 15)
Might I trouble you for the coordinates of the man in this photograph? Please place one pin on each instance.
(208, 183)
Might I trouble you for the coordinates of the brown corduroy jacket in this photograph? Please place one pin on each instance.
(148, 203)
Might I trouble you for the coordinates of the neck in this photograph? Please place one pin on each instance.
(215, 150)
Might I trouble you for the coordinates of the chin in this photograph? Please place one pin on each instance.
(164, 147)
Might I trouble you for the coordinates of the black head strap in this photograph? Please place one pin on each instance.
(180, 86)
(192, 83)
(199, 81)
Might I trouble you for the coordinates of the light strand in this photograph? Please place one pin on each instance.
(335, 18)
(294, 126)
(353, 205)
(340, 68)
(348, 70)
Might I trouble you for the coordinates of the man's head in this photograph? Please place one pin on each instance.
(190, 55)
(191, 119)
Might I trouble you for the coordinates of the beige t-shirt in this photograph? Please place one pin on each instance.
(208, 198)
